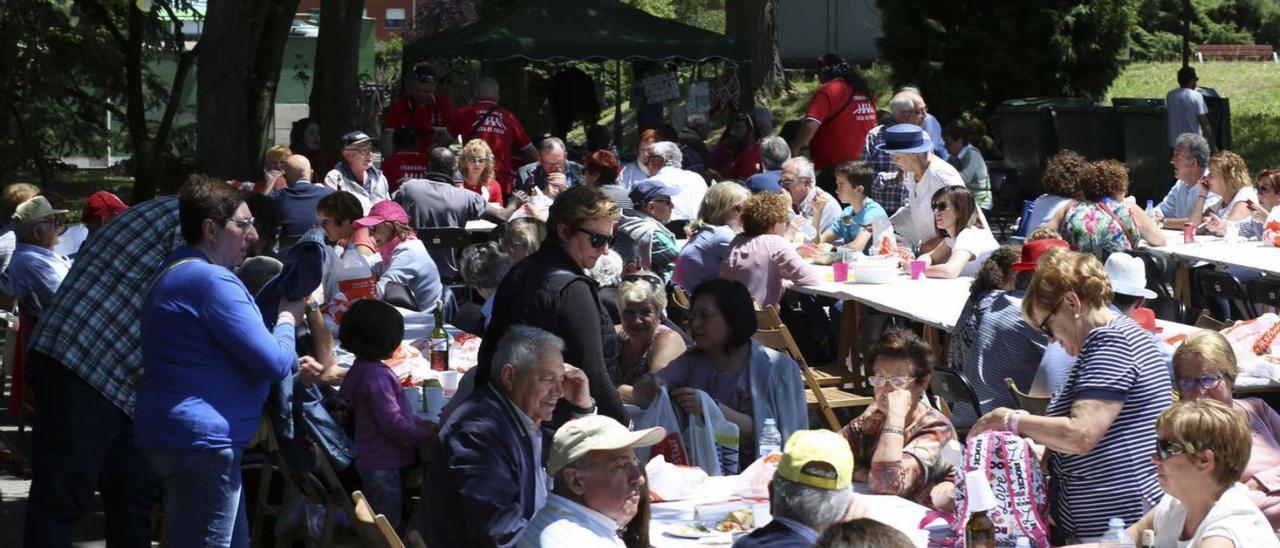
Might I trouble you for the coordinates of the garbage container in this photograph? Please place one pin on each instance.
(1220, 120)
(1026, 130)
(1145, 125)
(1088, 128)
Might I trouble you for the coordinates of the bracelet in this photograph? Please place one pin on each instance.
(892, 430)
(1012, 421)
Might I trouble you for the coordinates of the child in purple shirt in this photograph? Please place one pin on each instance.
(387, 431)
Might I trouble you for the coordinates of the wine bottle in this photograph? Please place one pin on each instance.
(439, 341)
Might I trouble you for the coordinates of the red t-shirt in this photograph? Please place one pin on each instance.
(403, 112)
(841, 139)
(406, 163)
(493, 194)
(500, 129)
(745, 164)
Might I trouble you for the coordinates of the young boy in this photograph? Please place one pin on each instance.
(853, 225)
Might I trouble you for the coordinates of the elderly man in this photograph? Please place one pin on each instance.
(1190, 165)
(356, 174)
(930, 124)
(297, 200)
(35, 271)
(424, 110)
(663, 165)
(100, 207)
(809, 492)
(773, 153)
(818, 208)
(486, 480)
(551, 174)
(888, 190)
(482, 267)
(498, 127)
(597, 484)
(643, 239)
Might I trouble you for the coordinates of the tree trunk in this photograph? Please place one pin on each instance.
(334, 93)
(264, 73)
(755, 23)
(232, 32)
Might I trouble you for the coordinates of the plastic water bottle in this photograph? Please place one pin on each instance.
(1151, 208)
(1116, 535)
(770, 439)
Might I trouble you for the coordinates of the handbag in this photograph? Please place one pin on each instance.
(713, 440)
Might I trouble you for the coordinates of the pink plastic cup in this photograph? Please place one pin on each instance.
(917, 269)
(840, 272)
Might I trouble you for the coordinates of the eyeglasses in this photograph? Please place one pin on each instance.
(655, 282)
(1206, 382)
(787, 181)
(1044, 324)
(242, 224)
(1166, 449)
(598, 240)
(59, 223)
(940, 206)
(897, 382)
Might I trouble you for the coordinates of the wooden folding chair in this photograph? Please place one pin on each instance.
(826, 376)
(678, 307)
(1031, 404)
(772, 333)
(1206, 321)
(374, 529)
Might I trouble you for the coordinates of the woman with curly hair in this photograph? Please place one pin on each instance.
(1104, 222)
(475, 164)
(1228, 178)
(1061, 185)
(760, 257)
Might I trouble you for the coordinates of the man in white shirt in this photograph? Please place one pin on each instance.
(1191, 165)
(663, 165)
(597, 484)
(923, 173)
(817, 206)
(1187, 111)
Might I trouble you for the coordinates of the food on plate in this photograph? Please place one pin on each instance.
(826, 247)
(736, 522)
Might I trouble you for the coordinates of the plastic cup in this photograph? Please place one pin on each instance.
(435, 401)
(449, 381)
(840, 271)
(978, 489)
(917, 269)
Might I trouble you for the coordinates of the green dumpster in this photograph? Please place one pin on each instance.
(1220, 120)
(1088, 128)
(1146, 147)
(1026, 129)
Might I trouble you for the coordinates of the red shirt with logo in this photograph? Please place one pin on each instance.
(404, 164)
(403, 113)
(499, 128)
(845, 123)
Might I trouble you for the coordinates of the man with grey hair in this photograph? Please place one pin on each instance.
(482, 267)
(773, 153)
(931, 124)
(888, 190)
(496, 126)
(486, 477)
(810, 491)
(552, 173)
(35, 272)
(1191, 166)
(663, 165)
(818, 208)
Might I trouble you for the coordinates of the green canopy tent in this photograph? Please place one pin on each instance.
(577, 30)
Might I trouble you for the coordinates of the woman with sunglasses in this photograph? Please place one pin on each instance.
(550, 290)
(966, 240)
(897, 443)
(1251, 227)
(1104, 221)
(761, 258)
(475, 164)
(1098, 427)
(1205, 367)
(1202, 447)
(647, 344)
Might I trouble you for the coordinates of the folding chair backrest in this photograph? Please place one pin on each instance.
(1214, 284)
(1028, 207)
(1206, 321)
(1155, 276)
(374, 529)
(1264, 292)
(678, 307)
(952, 386)
(1170, 309)
(448, 237)
(1030, 404)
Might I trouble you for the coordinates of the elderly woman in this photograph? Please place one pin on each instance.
(966, 239)
(1104, 221)
(600, 169)
(272, 170)
(1251, 227)
(1202, 447)
(404, 258)
(482, 267)
(923, 173)
(1098, 427)
(647, 345)
(1061, 186)
(550, 290)
(749, 383)
(719, 220)
(897, 443)
(522, 237)
(207, 361)
(475, 164)
(1205, 367)
(760, 258)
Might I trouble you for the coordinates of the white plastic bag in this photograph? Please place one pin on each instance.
(712, 440)
(661, 413)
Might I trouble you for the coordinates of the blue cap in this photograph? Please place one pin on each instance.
(764, 182)
(645, 191)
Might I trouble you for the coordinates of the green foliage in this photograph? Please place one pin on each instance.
(661, 8)
(1158, 35)
(971, 59)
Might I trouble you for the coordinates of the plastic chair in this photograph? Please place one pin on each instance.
(1214, 285)
(1028, 207)
(1168, 308)
(1264, 292)
(951, 386)
(1154, 274)
(1030, 404)
(449, 238)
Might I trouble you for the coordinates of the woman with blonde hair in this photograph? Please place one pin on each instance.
(273, 170)
(719, 220)
(1229, 178)
(1098, 427)
(646, 344)
(475, 164)
(761, 258)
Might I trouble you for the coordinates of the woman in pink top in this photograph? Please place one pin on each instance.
(1205, 366)
(760, 258)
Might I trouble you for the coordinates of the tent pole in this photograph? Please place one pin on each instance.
(617, 104)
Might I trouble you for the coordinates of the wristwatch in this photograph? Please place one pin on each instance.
(584, 410)
(313, 306)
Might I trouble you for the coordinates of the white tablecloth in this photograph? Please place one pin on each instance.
(479, 225)
(1245, 361)
(933, 301)
(1214, 249)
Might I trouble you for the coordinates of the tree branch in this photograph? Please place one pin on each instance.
(185, 62)
(104, 17)
(83, 97)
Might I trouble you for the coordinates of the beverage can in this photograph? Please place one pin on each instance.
(1188, 233)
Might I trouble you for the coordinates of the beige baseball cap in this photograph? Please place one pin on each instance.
(34, 210)
(596, 433)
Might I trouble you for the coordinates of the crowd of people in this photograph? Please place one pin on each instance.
(194, 344)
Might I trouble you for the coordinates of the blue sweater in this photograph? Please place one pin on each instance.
(207, 359)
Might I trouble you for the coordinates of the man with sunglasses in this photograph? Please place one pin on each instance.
(356, 173)
(643, 239)
(426, 111)
(35, 272)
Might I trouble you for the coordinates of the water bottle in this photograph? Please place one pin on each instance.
(1151, 209)
(770, 439)
(1116, 535)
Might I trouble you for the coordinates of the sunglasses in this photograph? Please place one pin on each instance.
(1044, 324)
(1166, 449)
(1206, 382)
(477, 160)
(598, 240)
(59, 223)
(897, 382)
(940, 206)
(788, 181)
(242, 224)
(653, 280)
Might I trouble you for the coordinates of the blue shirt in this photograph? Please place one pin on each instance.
(1181, 199)
(297, 203)
(702, 255)
(34, 275)
(412, 266)
(850, 223)
(207, 359)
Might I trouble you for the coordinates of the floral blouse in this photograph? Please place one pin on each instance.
(923, 442)
(1089, 229)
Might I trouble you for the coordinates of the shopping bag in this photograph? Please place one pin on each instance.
(661, 413)
(1271, 228)
(1011, 466)
(712, 440)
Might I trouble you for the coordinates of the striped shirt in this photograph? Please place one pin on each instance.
(563, 522)
(992, 342)
(1118, 362)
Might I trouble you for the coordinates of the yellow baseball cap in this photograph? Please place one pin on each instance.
(817, 458)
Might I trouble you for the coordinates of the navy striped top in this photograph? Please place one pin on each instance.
(1118, 362)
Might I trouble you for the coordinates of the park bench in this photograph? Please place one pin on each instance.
(1236, 52)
